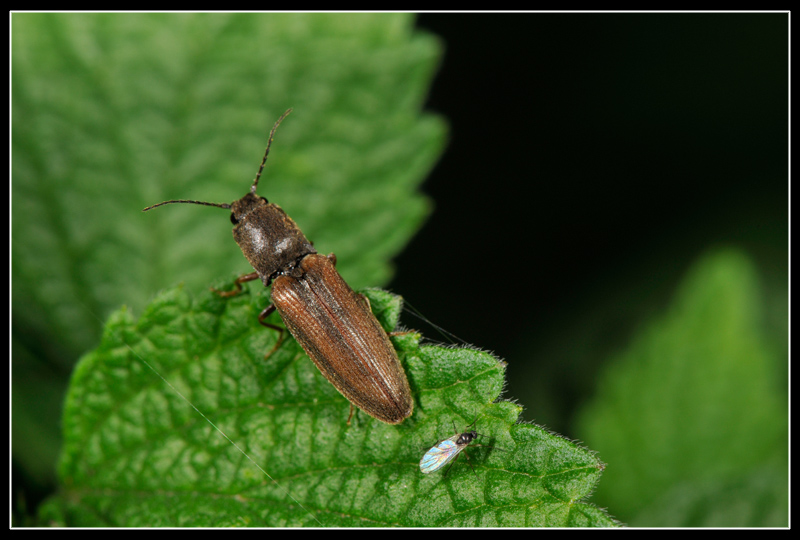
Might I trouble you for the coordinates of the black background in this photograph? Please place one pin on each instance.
(592, 159)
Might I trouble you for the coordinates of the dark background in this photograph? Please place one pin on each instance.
(592, 158)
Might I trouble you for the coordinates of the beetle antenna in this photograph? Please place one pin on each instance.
(266, 152)
(220, 205)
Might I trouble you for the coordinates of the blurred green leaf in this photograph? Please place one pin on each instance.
(754, 499)
(114, 112)
(693, 407)
(137, 454)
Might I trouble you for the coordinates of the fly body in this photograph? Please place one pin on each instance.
(445, 451)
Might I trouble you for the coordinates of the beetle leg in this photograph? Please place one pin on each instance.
(238, 283)
(263, 315)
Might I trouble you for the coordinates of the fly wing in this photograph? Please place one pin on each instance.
(439, 456)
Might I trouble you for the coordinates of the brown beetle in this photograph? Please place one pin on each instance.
(332, 323)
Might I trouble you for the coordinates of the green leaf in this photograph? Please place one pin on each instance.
(114, 112)
(137, 453)
(690, 418)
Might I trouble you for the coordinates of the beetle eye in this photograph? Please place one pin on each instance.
(234, 220)
(264, 199)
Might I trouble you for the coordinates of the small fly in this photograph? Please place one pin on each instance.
(447, 450)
